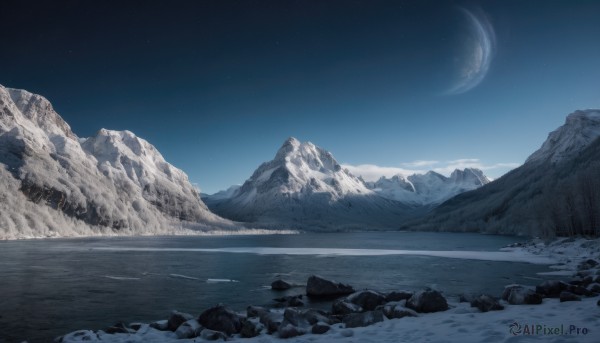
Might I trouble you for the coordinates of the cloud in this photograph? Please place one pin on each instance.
(371, 172)
(419, 163)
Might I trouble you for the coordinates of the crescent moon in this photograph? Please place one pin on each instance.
(477, 63)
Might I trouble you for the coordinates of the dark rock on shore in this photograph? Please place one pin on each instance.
(289, 331)
(117, 328)
(343, 307)
(317, 286)
(251, 328)
(355, 320)
(177, 318)
(395, 310)
(271, 320)
(486, 303)
(316, 316)
(320, 328)
(521, 295)
(290, 301)
(588, 264)
(368, 300)
(398, 295)
(427, 301)
(221, 318)
(161, 325)
(280, 285)
(189, 329)
(568, 296)
(212, 335)
(255, 311)
(551, 288)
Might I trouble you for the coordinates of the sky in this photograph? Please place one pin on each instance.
(386, 86)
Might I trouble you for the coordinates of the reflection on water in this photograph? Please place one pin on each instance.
(51, 287)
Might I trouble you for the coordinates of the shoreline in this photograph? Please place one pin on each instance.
(460, 322)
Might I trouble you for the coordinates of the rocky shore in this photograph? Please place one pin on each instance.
(353, 312)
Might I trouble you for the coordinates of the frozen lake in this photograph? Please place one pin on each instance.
(51, 287)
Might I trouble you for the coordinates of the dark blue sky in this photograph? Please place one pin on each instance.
(217, 86)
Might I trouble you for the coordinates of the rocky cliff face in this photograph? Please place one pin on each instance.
(113, 181)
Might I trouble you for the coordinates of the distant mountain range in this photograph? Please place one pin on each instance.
(53, 183)
(556, 191)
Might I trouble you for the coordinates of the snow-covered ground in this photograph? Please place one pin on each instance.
(551, 321)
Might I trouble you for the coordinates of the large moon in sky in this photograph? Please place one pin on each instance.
(476, 55)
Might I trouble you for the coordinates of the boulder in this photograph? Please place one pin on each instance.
(220, 318)
(320, 328)
(521, 295)
(398, 295)
(551, 288)
(290, 301)
(594, 287)
(580, 290)
(289, 330)
(295, 317)
(317, 286)
(212, 335)
(355, 320)
(280, 285)
(255, 311)
(315, 316)
(395, 310)
(136, 326)
(189, 329)
(271, 321)
(368, 300)
(343, 307)
(486, 303)
(177, 318)
(251, 328)
(427, 301)
(161, 325)
(568, 296)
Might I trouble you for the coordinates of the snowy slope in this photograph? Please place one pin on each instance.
(579, 131)
(430, 188)
(304, 186)
(112, 182)
(544, 195)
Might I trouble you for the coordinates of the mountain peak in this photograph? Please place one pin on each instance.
(581, 128)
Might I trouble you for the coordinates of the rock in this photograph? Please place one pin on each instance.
(588, 264)
(320, 328)
(295, 317)
(316, 286)
(251, 328)
(568, 296)
(189, 329)
(117, 328)
(368, 300)
(355, 320)
(211, 335)
(587, 280)
(551, 288)
(580, 290)
(343, 307)
(289, 330)
(395, 310)
(427, 301)
(255, 311)
(520, 295)
(290, 301)
(594, 287)
(315, 316)
(135, 326)
(486, 303)
(177, 318)
(271, 321)
(397, 296)
(161, 325)
(220, 318)
(280, 285)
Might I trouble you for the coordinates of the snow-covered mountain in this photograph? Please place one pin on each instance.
(579, 131)
(430, 188)
(56, 184)
(305, 187)
(557, 190)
